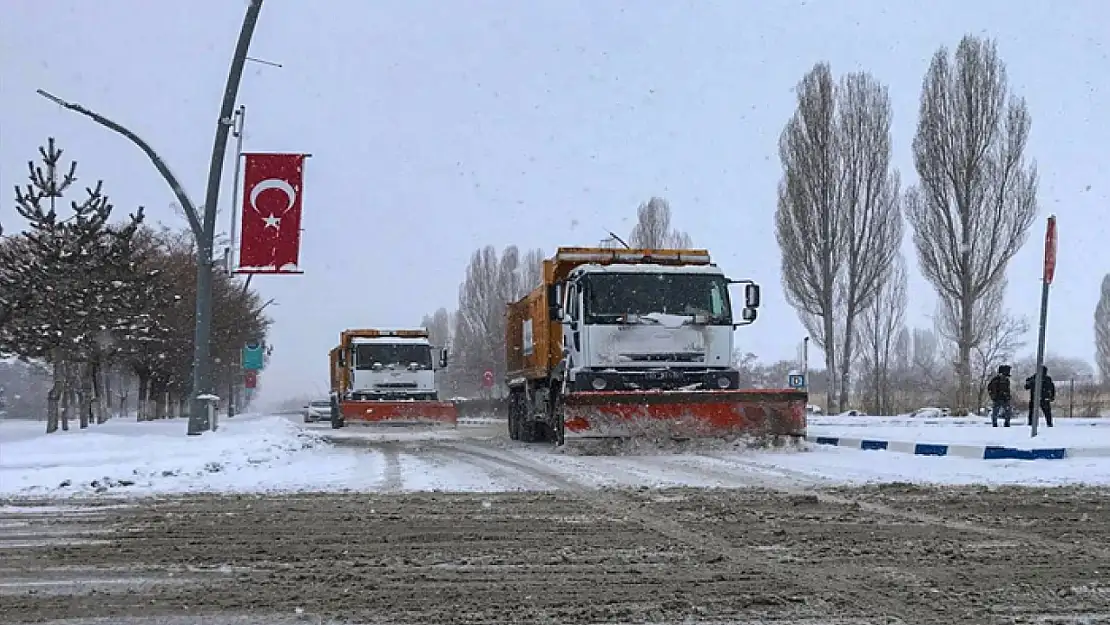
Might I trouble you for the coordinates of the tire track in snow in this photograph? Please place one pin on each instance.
(392, 478)
(815, 484)
(750, 477)
(624, 504)
(498, 475)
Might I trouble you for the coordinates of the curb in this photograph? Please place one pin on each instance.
(975, 452)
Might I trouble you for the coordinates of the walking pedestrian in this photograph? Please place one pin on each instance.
(999, 391)
(1048, 395)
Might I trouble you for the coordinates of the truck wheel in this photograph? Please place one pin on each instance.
(516, 412)
(528, 432)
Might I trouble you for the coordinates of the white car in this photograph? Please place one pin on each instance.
(319, 410)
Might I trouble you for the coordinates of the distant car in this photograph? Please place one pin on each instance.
(853, 413)
(929, 412)
(319, 410)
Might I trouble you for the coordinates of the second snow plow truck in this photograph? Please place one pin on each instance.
(387, 377)
(636, 343)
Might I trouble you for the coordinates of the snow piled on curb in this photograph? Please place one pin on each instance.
(125, 458)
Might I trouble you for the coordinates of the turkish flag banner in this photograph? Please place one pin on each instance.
(273, 196)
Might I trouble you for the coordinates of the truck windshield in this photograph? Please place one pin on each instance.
(609, 296)
(398, 355)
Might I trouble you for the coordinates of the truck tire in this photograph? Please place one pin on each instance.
(515, 410)
(528, 431)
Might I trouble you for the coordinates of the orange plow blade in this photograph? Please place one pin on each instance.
(684, 414)
(400, 412)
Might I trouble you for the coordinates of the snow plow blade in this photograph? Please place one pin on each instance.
(685, 415)
(399, 412)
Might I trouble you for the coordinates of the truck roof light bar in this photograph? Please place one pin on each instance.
(374, 333)
(648, 256)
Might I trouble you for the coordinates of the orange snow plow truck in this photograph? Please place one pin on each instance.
(636, 344)
(387, 377)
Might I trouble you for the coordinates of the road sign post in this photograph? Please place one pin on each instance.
(1046, 281)
(487, 384)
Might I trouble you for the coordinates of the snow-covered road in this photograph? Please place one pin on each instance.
(259, 453)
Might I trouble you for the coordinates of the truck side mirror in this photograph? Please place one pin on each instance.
(751, 297)
(748, 315)
(443, 359)
(554, 310)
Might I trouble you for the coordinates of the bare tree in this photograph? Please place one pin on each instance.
(439, 327)
(838, 220)
(881, 325)
(808, 225)
(479, 338)
(653, 227)
(976, 198)
(1102, 332)
(869, 199)
(531, 269)
(1061, 368)
(925, 378)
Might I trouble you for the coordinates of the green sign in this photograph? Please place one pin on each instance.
(254, 357)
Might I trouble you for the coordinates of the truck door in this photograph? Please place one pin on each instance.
(573, 332)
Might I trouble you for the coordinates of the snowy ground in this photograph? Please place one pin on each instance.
(258, 453)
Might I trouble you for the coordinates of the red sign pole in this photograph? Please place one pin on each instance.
(1050, 250)
(1050, 238)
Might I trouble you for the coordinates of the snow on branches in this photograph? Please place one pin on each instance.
(84, 292)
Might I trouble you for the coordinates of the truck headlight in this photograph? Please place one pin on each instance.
(599, 384)
(724, 382)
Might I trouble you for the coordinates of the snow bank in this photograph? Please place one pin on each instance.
(965, 431)
(124, 457)
(842, 466)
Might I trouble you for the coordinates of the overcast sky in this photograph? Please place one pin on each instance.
(441, 126)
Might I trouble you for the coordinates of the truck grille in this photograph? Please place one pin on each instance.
(667, 357)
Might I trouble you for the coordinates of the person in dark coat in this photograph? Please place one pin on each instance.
(1048, 395)
(999, 391)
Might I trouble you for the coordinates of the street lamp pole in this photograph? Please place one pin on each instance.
(202, 365)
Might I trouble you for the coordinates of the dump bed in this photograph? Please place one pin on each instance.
(338, 374)
(534, 343)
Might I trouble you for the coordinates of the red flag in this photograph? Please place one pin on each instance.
(273, 186)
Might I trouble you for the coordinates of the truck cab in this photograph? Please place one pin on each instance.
(389, 367)
(650, 326)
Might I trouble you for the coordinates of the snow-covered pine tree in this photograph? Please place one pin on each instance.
(73, 301)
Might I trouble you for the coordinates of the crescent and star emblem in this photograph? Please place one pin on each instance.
(272, 220)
